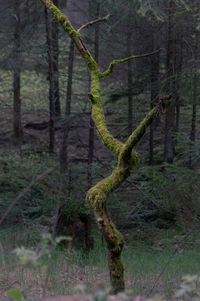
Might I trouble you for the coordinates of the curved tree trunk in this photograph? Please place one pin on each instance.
(124, 152)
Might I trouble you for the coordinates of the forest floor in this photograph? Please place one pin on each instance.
(148, 256)
(70, 271)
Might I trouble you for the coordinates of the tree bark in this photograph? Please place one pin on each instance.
(17, 126)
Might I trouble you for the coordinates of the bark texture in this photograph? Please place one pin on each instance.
(124, 153)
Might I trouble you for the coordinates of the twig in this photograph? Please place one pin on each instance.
(162, 271)
(94, 22)
(38, 178)
(167, 263)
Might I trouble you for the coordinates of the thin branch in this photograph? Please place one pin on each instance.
(38, 178)
(94, 22)
(141, 129)
(162, 271)
(115, 62)
(176, 248)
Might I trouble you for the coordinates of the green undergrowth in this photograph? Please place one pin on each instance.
(16, 173)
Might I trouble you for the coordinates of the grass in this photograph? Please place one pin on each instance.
(67, 269)
(144, 265)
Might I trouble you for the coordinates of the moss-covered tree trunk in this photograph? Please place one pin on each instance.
(124, 153)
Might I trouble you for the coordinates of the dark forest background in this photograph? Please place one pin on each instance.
(50, 153)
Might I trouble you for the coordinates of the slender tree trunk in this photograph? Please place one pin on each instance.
(194, 102)
(66, 128)
(51, 84)
(179, 61)
(55, 54)
(155, 87)
(54, 103)
(194, 108)
(91, 128)
(169, 142)
(88, 238)
(17, 127)
(129, 76)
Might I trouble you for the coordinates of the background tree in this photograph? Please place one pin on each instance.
(53, 76)
(17, 126)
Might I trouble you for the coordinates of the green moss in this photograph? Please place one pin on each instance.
(116, 272)
(61, 18)
(96, 196)
(115, 62)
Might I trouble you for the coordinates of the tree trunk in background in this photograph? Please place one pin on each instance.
(155, 88)
(51, 83)
(169, 142)
(91, 128)
(54, 102)
(178, 69)
(66, 128)
(129, 77)
(194, 100)
(55, 53)
(78, 225)
(17, 127)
